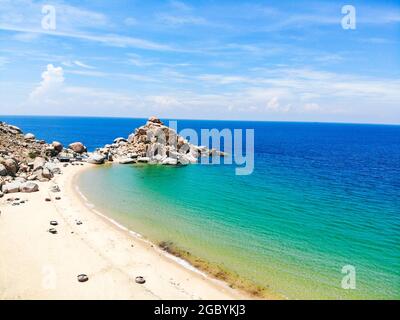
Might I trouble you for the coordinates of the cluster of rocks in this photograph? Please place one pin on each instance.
(24, 159)
(153, 143)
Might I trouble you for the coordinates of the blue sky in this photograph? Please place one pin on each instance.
(261, 60)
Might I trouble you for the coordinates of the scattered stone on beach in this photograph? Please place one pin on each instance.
(53, 223)
(53, 231)
(29, 187)
(140, 280)
(47, 199)
(55, 188)
(11, 187)
(83, 278)
(78, 222)
(58, 198)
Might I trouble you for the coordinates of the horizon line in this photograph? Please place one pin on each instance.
(203, 119)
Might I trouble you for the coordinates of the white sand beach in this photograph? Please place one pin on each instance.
(35, 264)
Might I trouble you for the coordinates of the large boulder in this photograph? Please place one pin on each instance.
(11, 166)
(57, 146)
(183, 160)
(143, 159)
(120, 139)
(52, 167)
(38, 163)
(3, 170)
(47, 174)
(131, 138)
(15, 129)
(11, 187)
(170, 161)
(126, 160)
(29, 136)
(96, 158)
(77, 147)
(29, 187)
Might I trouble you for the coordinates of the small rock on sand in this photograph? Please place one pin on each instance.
(29, 187)
(140, 280)
(83, 278)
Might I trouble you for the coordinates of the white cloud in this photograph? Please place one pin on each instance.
(178, 20)
(72, 22)
(164, 101)
(273, 104)
(311, 107)
(113, 40)
(89, 73)
(29, 13)
(52, 80)
(83, 65)
(179, 5)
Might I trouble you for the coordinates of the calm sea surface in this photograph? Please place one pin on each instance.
(322, 196)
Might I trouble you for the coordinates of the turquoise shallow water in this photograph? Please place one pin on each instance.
(322, 196)
(291, 240)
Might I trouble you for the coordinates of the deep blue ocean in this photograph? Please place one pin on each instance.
(322, 196)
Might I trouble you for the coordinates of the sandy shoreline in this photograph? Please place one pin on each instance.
(36, 264)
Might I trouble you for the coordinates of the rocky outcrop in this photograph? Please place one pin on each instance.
(24, 159)
(154, 143)
(29, 187)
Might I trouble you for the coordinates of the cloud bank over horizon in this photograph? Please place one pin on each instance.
(202, 60)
